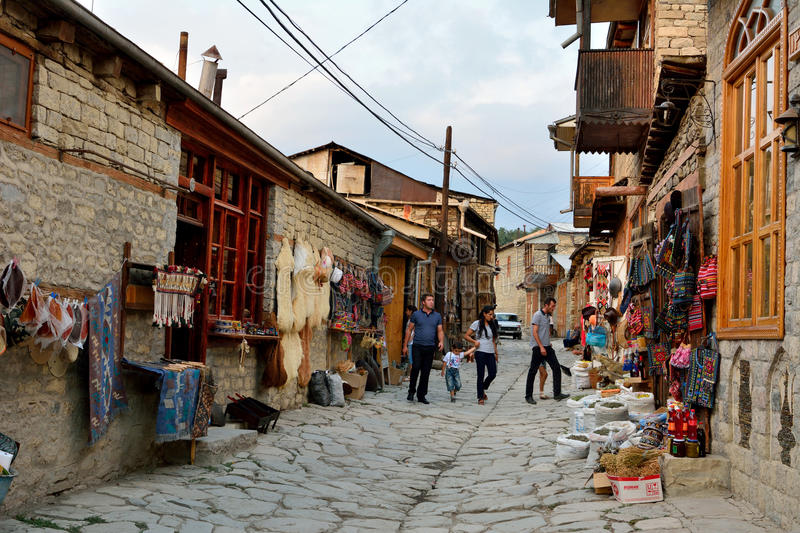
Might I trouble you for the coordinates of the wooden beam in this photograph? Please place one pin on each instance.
(149, 95)
(108, 67)
(605, 192)
(56, 31)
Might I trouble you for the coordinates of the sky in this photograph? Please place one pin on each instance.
(494, 70)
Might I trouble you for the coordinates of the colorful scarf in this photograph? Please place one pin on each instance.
(106, 390)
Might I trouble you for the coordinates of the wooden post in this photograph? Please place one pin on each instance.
(183, 50)
(586, 27)
(123, 290)
(441, 268)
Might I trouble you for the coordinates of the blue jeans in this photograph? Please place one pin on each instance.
(410, 352)
(453, 379)
(485, 361)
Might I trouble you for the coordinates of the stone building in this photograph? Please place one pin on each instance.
(101, 145)
(711, 80)
(392, 196)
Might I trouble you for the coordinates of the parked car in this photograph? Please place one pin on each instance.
(509, 325)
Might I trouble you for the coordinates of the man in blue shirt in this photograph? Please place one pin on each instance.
(426, 326)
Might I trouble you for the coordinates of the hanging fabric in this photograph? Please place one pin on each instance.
(177, 290)
(707, 278)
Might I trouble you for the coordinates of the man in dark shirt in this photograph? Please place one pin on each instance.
(426, 325)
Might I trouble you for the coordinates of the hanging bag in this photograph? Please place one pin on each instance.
(597, 336)
(696, 314)
(703, 373)
(683, 288)
(634, 320)
(707, 278)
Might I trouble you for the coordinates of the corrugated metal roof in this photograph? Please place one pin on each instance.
(563, 260)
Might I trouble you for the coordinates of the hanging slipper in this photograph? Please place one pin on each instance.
(59, 362)
(12, 284)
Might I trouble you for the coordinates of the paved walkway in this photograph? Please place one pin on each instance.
(384, 464)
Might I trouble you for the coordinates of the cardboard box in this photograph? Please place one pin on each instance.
(601, 483)
(637, 489)
(358, 382)
(394, 376)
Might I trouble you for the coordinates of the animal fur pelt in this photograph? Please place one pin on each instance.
(302, 282)
(304, 372)
(292, 354)
(274, 372)
(284, 265)
(323, 302)
(312, 301)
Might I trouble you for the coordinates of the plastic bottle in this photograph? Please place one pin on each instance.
(580, 424)
(691, 429)
(671, 422)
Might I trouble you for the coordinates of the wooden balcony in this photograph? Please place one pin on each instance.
(614, 99)
(542, 275)
(583, 188)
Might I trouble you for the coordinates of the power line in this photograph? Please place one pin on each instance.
(332, 77)
(315, 67)
(412, 131)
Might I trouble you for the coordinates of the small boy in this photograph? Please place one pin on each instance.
(450, 365)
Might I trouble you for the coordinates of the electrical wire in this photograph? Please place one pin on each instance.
(397, 131)
(315, 67)
(411, 131)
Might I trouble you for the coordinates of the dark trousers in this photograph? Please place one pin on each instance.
(536, 362)
(485, 361)
(420, 367)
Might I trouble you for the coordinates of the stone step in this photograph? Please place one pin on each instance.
(684, 475)
(220, 444)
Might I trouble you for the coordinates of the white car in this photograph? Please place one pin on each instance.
(509, 325)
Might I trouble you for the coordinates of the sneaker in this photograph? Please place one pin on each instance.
(453, 399)
(423, 400)
(530, 401)
(559, 397)
(410, 397)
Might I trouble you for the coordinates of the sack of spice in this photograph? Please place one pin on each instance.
(571, 446)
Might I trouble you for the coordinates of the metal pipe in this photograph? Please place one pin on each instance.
(463, 208)
(83, 17)
(427, 261)
(386, 240)
(222, 74)
(578, 25)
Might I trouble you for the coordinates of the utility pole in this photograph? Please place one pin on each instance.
(441, 268)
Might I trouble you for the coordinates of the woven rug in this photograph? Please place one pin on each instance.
(106, 390)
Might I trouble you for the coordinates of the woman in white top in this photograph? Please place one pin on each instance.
(483, 335)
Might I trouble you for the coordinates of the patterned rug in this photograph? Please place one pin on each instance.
(106, 390)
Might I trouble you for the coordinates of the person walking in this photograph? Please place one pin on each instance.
(541, 350)
(425, 325)
(483, 335)
(409, 311)
(450, 365)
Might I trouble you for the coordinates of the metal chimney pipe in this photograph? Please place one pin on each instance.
(221, 75)
(183, 51)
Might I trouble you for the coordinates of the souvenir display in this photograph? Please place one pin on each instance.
(177, 292)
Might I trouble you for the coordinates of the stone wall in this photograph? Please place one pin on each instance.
(509, 299)
(680, 27)
(754, 422)
(292, 215)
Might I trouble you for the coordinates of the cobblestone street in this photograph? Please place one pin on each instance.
(389, 465)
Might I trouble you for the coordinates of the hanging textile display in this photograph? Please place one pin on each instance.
(703, 373)
(12, 284)
(177, 292)
(707, 278)
(106, 390)
(601, 285)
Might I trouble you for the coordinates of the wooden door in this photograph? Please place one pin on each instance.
(393, 273)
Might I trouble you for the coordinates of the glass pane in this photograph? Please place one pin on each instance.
(735, 280)
(767, 196)
(229, 265)
(739, 99)
(748, 280)
(751, 119)
(214, 263)
(218, 183)
(766, 274)
(255, 197)
(233, 189)
(769, 100)
(217, 225)
(231, 225)
(737, 199)
(198, 168)
(252, 235)
(14, 71)
(227, 299)
(748, 205)
(183, 170)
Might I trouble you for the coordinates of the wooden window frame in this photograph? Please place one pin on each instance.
(18, 48)
(244, 211)
(734, 235)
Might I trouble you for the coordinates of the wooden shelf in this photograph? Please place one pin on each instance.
(239, 337)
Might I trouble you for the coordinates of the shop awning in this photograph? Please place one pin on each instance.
(563, 260)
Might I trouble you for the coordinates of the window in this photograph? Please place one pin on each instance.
(16, 79)
(751, 254)
(237, 202)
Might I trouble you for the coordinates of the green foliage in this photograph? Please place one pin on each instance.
(505, 235)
